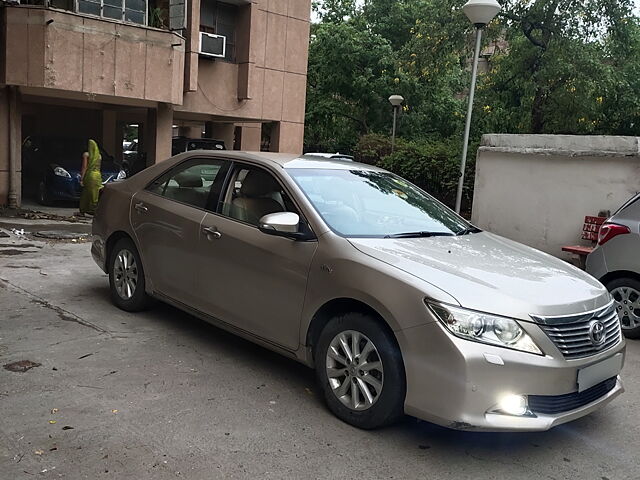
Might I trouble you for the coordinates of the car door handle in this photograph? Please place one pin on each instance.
(141, 208)
(211, 232)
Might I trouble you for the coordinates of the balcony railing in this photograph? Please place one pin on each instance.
(163, 14)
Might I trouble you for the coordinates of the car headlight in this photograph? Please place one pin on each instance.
(61, 172)
(484, 328)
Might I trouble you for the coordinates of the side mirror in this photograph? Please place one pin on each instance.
(282, 224)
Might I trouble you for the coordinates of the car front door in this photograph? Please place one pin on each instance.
(254, 281)
(166, 218)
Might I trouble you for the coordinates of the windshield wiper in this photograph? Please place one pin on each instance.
(420, 235)
(468, 230)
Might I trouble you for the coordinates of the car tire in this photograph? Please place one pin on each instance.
(386, 385)
(42, 195)
(627, 290)
(126, 277)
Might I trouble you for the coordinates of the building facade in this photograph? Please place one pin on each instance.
(233, 71)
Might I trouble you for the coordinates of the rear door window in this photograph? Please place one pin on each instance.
(197, 182)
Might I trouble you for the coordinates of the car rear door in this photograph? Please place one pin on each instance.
(166, 218)
(254, 281)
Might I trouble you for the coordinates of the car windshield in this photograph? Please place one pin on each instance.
(365, 203)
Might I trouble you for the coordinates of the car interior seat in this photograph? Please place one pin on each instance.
(256, 198)
(190, 189)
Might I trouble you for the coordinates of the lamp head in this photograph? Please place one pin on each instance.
(396, 100)
(481, 12)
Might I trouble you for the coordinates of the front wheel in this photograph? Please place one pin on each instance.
(126, 277)
(626, 296)
(359, 368)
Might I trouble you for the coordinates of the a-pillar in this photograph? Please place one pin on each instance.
(287, 137)
(158, 133)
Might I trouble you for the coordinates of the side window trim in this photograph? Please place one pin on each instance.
(189, 162)
(215, 199)
(226, 190)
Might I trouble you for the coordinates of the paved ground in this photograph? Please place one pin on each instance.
(163, 395)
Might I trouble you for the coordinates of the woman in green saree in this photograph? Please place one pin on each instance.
(90, 179)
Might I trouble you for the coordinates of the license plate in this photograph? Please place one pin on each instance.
(594, 374)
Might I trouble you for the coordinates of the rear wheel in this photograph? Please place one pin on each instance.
(126, 277)
(360, 371)
(626, 295)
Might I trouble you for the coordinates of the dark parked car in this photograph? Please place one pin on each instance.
(135, 159)
(184, 144)
(51, 168)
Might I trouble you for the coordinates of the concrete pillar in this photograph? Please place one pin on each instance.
(109, 131)
(251, 137)
(4, 145)
(158, 133)
(15, 147)
(224, 132)
(190, 132)
(117, 153)
(287, 137)
(192, 46)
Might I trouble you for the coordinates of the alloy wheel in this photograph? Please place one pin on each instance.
(354, 370)
(125, 274)
(627, 301)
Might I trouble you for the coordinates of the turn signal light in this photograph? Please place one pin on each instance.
(610, 230)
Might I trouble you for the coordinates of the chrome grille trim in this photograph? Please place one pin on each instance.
(574, 317)
(572, 336)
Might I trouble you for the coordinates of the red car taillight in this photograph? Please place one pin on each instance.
(610, 230)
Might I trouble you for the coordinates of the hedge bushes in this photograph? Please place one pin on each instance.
(431, 164)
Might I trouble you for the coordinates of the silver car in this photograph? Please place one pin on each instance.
(616, 262)
(400, 305)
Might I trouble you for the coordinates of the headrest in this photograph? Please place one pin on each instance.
(188, 180)
(258, 183)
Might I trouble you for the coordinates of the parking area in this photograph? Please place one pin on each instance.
(164, 395)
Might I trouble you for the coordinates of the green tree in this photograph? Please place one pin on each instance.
(565, 67)
(350, 72)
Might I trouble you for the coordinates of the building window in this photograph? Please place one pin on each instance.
(134, 11)
(220, 18)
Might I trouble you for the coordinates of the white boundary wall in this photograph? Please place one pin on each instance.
(537, 189)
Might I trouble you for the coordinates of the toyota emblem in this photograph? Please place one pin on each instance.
(597, 333)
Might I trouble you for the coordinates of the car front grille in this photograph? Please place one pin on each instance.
(553, 404)
(571, 334)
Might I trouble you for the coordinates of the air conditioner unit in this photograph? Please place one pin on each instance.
(213, 45)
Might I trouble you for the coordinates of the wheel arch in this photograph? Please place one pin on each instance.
(111, 242)
(338, 306)
(619, 274)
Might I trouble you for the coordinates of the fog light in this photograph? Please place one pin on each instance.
(513, 404)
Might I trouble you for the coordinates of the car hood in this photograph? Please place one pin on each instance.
(489, 273)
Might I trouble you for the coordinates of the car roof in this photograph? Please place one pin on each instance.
(288, 160)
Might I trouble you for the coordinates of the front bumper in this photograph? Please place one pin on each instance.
(62, 188)
(458, 383)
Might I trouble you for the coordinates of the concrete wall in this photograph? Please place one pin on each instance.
(537, 189)
(90, 55)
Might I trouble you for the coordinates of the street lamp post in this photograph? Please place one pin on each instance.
(480, 13)
(396, 101)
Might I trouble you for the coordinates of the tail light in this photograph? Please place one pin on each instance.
(610, 230)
